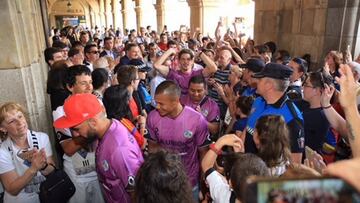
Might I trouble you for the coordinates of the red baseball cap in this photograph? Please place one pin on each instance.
(78, 108)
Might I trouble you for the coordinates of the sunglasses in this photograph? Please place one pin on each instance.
(94, 52)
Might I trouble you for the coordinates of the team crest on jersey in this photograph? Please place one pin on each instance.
(105, 165)
(188, 134)
(205, 112)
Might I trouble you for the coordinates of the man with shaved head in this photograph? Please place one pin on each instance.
(179, 129)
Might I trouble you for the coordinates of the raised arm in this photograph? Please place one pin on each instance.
(347, 98)
(234, 54)
(217, 33)
(227, 140)
(336, 121)
(210, 67)
(158, 65)
(237, 34)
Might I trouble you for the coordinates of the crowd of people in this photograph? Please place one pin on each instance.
(179, 117)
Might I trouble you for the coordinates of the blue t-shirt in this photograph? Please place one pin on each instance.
(240, 124)
(249, 91)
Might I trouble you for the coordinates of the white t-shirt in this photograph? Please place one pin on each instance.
(10, 159)
(153, 84)
(220, 190)
(80, 166)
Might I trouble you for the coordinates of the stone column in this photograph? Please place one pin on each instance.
(108, 13)
(139, 13)
(342, 26)
(23, 71)
(116, 13)
(102, 13)
(297, 26)
(313, 27)
(202, 11)
(160, 14)
(124, 11)
(92, 19)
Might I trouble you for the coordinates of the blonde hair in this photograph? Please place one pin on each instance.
(101, 63)
(6, 108)
(337, 57)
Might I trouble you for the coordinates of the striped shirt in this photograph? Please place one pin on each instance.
(221, 77)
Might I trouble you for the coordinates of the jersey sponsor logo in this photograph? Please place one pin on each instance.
(105, 165)
(188, 134)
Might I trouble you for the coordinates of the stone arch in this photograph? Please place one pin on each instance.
(88, 8)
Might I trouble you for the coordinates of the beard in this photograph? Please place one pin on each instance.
(91, 137)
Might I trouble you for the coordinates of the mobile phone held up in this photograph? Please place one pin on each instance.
(310, 190)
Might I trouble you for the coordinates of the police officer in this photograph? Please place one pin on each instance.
(272, 85)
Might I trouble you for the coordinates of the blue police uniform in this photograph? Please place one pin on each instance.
(291, 115)
(249, 91)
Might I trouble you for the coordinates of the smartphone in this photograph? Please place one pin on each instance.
(311, 190)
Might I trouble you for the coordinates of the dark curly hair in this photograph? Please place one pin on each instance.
(162, 179)
(73, 71)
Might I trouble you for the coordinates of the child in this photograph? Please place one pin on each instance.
(243, 108)
(230, 189)
(272, 141)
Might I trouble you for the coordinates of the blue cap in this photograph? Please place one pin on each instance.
(276, 71)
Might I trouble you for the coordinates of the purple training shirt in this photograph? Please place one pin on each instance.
(118, 157)
(209, 108)
(182, 79)
(183, 135)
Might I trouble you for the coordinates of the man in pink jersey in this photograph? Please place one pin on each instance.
(198, 100)
(186, 64)
(179, 129)
(118, 156)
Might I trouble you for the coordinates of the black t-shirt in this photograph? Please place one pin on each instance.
(57, 97)
(316, 127)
